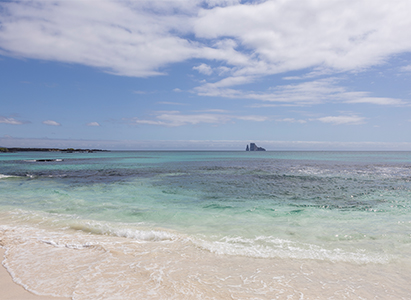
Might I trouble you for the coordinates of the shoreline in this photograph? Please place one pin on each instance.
(12, 291)
(68, 150)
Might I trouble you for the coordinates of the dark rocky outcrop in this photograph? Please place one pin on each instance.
(254, 147)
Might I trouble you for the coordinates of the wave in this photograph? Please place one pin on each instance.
(3, 176)
(258, 247)
(271, 247)
(44, 160)
(255, 247)
(125, 231)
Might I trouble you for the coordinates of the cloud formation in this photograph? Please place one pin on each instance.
(232, 42)
(291, 120)
(93, 124)
(176, 118)
(51, 123)
(204, 69)
(306, 93)
(120, 37)
(346, 120)
(255, 38)
(291, 35)
(10, 121)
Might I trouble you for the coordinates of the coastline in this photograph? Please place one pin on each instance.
(12, 291)
(67, 150)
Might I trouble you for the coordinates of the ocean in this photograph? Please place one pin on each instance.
(208, 225)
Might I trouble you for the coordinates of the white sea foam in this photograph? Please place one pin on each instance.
(257, 247)
(145, 235)
(3, 176)
(374, 171)
(69, 245)
(124, 230)
(271, 247)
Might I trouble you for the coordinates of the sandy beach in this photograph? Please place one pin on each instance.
(12, 291)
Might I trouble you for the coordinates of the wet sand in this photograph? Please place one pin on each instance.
(12, 291)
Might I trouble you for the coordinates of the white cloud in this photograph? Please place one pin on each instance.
(362, 97)
(139, 38)
(93, 124)
(406, 68)
(213, 110)
(10, 121)
(343, 120)
(252, 118)
(212, 3)
(204, 69)
(291, 120)
(124, 38)
(51, 123)
(305, 93)
(291, 35)
(176, 118)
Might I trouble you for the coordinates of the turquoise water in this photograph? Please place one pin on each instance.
(317, 218)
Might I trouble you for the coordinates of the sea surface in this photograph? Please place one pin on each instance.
(208, 225)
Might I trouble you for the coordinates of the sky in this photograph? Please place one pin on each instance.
(206, 74)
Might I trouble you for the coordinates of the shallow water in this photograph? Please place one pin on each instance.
(208, 225)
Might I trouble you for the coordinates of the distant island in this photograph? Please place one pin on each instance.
(254, 147)
(67, 150)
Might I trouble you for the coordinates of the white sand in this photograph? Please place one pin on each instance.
(12, 291)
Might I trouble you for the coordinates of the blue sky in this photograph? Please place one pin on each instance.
(206, 75)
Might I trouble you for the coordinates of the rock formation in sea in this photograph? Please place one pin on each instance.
(254, 147)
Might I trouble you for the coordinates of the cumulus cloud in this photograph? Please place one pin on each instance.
(204, 69)
(140, 38)
(236, 41)
(290, 35)
(10, 121)
(176, 118)
(121, 37)
(51, 123)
